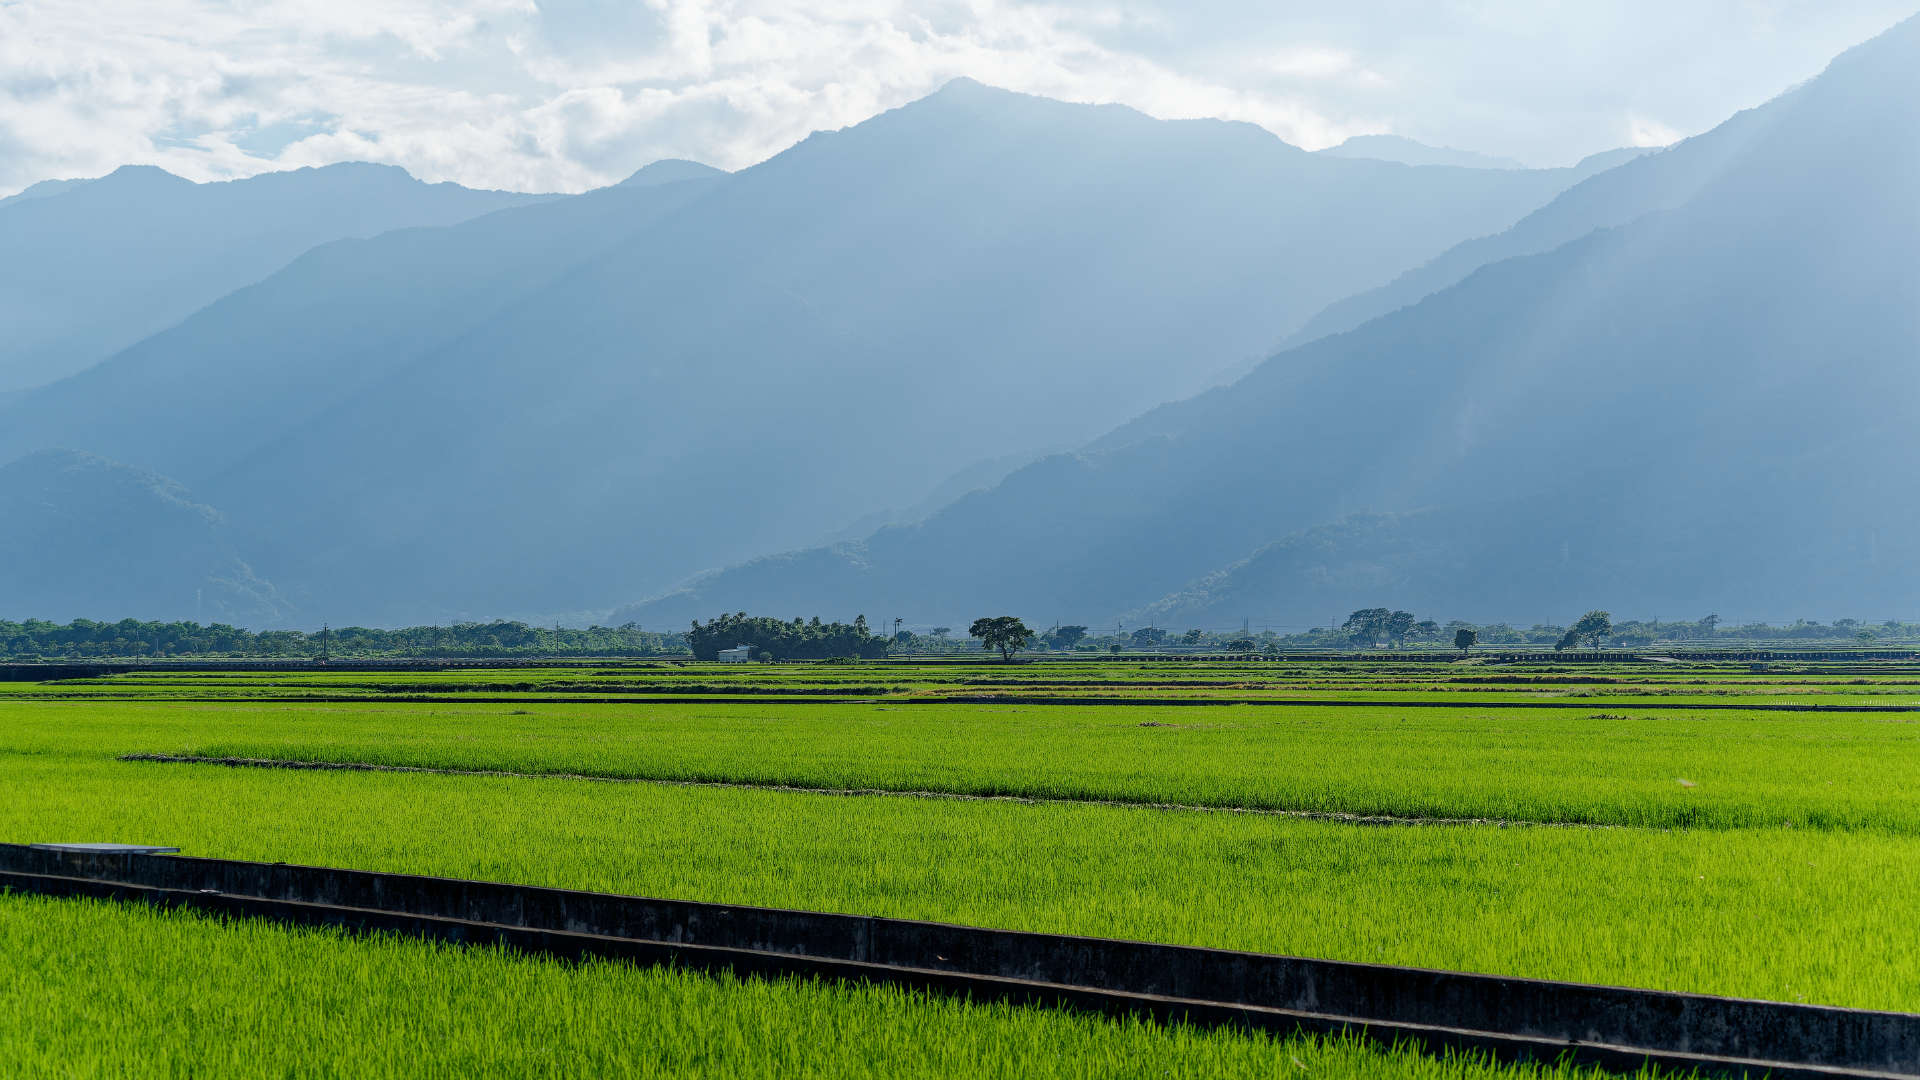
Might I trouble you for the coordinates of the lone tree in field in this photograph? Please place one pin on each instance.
(1465, 638)
(1593, 628)
(1006, 633)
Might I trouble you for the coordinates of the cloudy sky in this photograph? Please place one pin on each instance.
(570, 94)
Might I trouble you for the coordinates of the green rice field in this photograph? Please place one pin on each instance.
(1749, 852)
(268, 1001)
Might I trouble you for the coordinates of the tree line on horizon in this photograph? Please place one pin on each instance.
(503, 639)
(802, 639)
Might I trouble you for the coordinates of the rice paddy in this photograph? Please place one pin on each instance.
(1781, 868)
(87, 997)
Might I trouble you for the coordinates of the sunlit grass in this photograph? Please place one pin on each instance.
(1788, 914)
(93, 989)
(1613, 766)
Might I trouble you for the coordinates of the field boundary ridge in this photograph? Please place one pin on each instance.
(1338, 816)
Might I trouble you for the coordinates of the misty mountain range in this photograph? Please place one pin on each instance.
(93, 266)
(1656, 381)
(1686, 383)
(604, 395)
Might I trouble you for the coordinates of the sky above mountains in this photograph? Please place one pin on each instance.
(572, 94)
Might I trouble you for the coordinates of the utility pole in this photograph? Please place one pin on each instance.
(325, 633)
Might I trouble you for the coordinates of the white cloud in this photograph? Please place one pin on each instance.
(1310, 63)
(569, 94)
(1646, 131)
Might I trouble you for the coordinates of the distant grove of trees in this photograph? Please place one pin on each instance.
(778, 640)
(87, 639)
(1593, 628)
(1065, 637)
(1369, 627)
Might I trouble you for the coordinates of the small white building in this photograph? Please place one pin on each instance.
(739, 654)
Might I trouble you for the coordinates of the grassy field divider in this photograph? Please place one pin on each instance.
(1512, 1018)
(936, 697)
(1627, 700)
(309, 765)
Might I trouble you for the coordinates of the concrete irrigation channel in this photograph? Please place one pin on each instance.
(1513, 1018)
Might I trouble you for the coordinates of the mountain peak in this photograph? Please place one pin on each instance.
(354, 173)
(143, 175)
(669, 171)
(964, 91)
(966, 84)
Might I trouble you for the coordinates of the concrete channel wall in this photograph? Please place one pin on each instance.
(1564, 1013)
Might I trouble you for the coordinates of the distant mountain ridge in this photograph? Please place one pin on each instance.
(1618, 187)
(42, 190)
(1409, 152)
(88, 267)
(1700, 399)
(554, 406)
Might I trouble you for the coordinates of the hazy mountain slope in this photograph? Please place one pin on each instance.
(1659, 545)
(1409, 152)
(1610, 193)
(1709, 407)
(131, 544)
(43, 189)
(603, 410)
(199, 399)
(87, 268)
(1594, 164)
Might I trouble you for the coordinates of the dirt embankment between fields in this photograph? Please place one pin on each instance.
(901, 793)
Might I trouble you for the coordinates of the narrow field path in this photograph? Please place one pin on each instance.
(1307, 815)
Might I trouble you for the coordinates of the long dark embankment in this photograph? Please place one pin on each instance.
(317, 765)
(1515, 1019)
